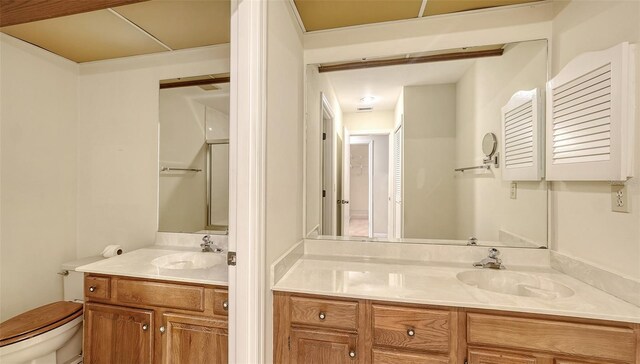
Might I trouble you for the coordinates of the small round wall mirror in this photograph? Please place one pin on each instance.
(489, 144)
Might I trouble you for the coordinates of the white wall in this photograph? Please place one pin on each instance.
(38, 182)
(118, 143)
(284, 144)
(369, 121)
(359, 180)
(484, 203)
(583, 225)
(182, 195)
(429, 195)
(315, 84)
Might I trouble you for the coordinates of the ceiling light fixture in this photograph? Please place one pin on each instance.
(368, 100)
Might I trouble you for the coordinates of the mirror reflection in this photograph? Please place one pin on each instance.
(389, 150)
(194, 155)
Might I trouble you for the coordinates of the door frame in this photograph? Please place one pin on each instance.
(247, 181)
(389, 134)
(327, 155)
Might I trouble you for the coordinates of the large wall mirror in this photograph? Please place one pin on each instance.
(387, 148)
(194, 155)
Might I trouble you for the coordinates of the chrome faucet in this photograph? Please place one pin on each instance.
(492, 261)
(209, 246)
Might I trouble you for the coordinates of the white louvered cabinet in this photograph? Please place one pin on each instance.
(523, 136)
(590, 117)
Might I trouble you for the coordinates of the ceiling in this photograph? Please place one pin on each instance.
(152, 26)
(130, 30)
(385, 83)
(329, 14)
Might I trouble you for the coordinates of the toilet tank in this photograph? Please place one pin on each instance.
(73, 281)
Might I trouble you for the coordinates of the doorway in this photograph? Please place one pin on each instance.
(366, 174)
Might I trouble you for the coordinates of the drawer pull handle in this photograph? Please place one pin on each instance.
(352, 354)
(92, 289)
(145, 327)
(411, 332)
(162, 329)
(322, 316)
(225, 305)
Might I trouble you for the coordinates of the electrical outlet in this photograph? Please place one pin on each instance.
(619, 198)
(514, 190)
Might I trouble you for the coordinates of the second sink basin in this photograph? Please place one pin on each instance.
(189, 260)
(515, 283)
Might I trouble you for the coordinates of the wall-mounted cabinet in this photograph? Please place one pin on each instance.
(523, 136)
(590, 117)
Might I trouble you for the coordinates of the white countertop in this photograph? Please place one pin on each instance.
(138, 264)
(436, 284)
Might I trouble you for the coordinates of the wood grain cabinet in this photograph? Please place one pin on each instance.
(326, 330)
(130, 320)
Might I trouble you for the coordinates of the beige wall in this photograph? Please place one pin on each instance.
(483, 199)
(429, 195)
(583, 225)
(369, 121)
(284, 144)
(118, 144)
(38, 182)
(181, 195)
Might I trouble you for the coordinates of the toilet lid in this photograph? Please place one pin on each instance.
(38, 321)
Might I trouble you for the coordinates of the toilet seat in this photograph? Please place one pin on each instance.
(38, 321)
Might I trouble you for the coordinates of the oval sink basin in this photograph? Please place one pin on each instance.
(515, 283)
(189, 260)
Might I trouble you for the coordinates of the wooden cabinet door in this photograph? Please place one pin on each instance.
(323, 347)
(191, 340)
(484, 356)
(117, 335)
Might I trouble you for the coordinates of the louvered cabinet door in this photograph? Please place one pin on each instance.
(523, 137)
(590, 117)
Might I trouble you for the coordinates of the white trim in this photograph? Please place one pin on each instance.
(297, 15)
(247, 181)
(422, 7)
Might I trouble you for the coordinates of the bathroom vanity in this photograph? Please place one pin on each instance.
(166, 303)
(397, 303)
(321, 329)
(130, 320)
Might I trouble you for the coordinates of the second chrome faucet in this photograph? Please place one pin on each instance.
(492, 261)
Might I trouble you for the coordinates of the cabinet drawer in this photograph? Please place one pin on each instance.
(482, 356)
(97, 287)
(586, 340)
(160, 294)
(412, 328)
(220, 302)
(396, 357)
(324, 313)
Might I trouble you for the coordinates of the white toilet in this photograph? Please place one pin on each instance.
(50, 334)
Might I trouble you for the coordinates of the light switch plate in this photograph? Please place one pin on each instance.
(619, 198)
(514, 190)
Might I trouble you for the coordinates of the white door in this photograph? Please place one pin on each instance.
(397, 183)
(346, 181)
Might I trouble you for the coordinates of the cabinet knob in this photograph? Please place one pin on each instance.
(225, 305)
(92, 289)
(145, 327)
(411, 332)
(352, 354)
(322, 316)
(162, 329)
